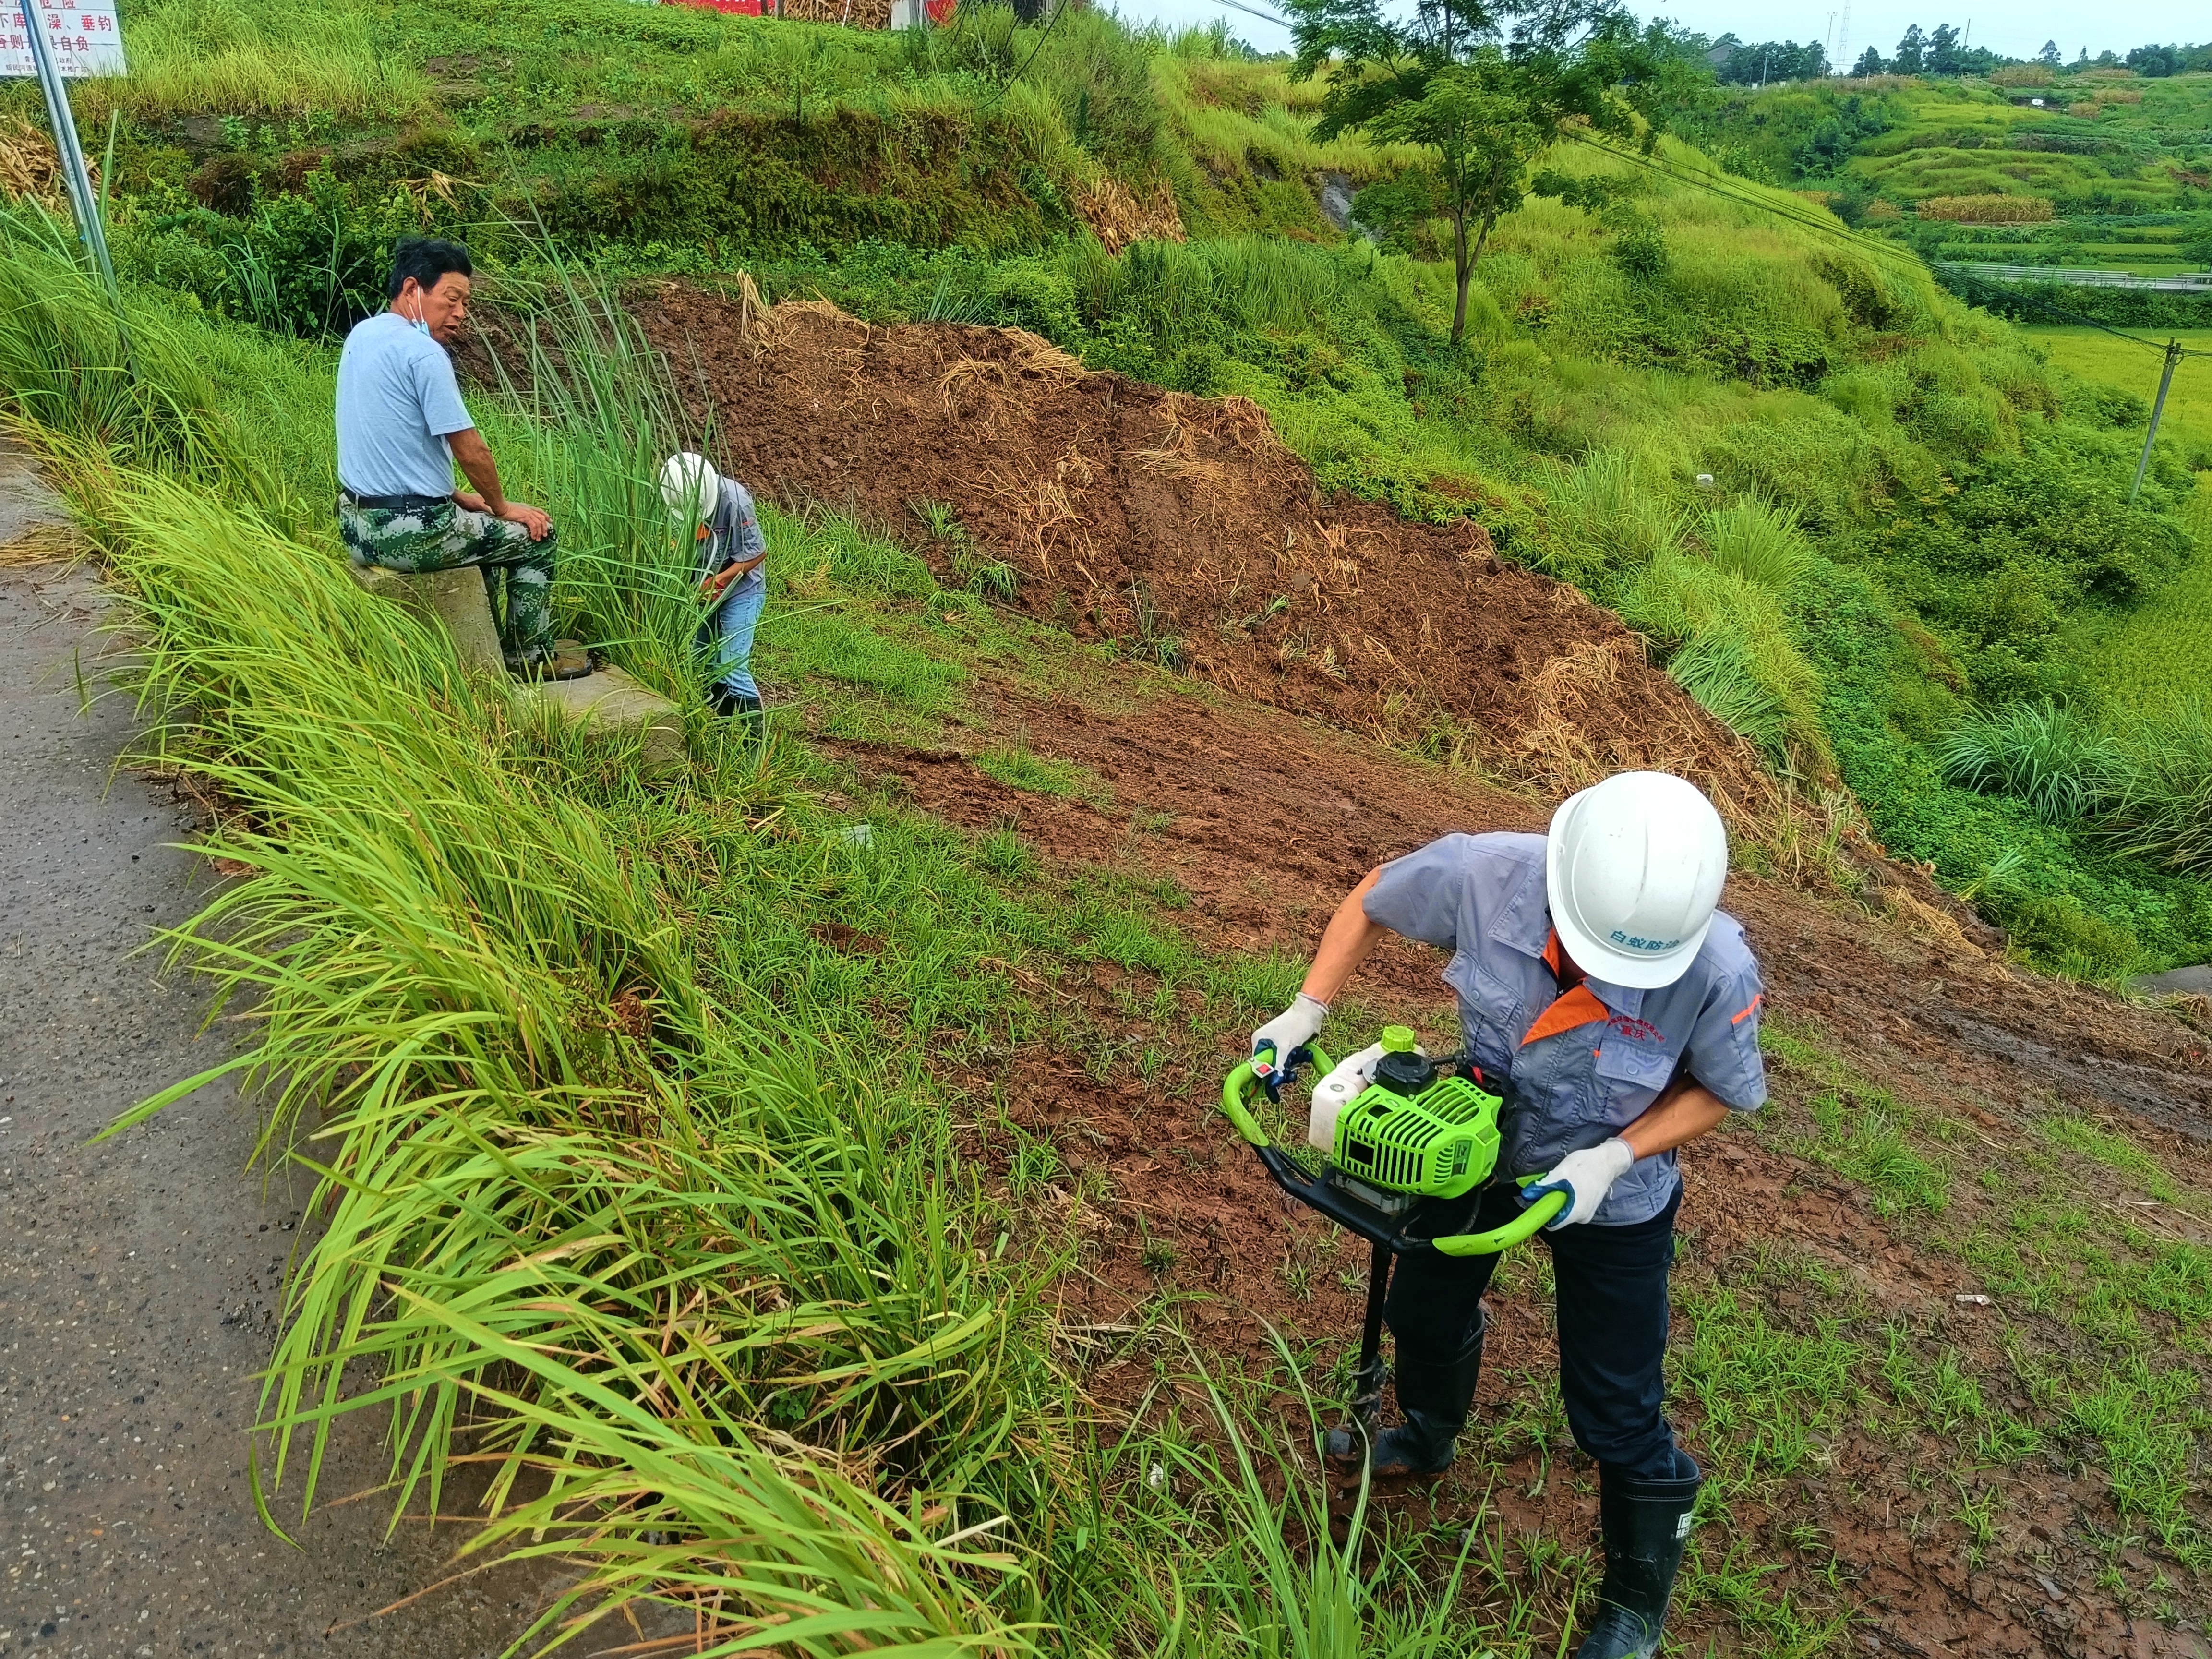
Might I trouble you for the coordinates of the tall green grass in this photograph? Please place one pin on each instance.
(190, 57)
(1707, 590)
(2163, 812)
(2055, 758)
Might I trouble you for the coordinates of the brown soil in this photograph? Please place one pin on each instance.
(1139, 513)
(1910, 998)
(1183, 524)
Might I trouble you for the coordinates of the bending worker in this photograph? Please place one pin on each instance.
(1618, 1009)
(717, 513)
(402, 429)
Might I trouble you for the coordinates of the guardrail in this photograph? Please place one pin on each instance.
(2076, 276)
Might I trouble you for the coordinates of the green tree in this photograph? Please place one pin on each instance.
(1911, 52)
(1943, 51)
(1869, 63)
(2049, 56)
(1482, 92)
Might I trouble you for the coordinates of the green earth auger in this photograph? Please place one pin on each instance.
(1420, 1131)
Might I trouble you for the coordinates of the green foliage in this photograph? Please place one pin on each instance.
(1997, 558)
(2050, 756)
(1717, 615)
(190, 56)
(1886, 705)
(2164, 812)
(1477, 97)
(1757, 542)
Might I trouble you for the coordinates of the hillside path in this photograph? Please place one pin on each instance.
(138, 1277)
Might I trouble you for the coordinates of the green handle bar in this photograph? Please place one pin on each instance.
(1527, 1224)
(1238, 1084)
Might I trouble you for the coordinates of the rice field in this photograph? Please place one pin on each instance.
(2095, 355)
(2160, 654)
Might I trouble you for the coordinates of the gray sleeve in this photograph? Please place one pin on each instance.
(1723, 1047)
(1423, 895)
(745, 540)
(439, 394)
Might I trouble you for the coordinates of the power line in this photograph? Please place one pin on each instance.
(1802, 220)
(1254, 11)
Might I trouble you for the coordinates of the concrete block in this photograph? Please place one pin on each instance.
(611, 700)
(2196, 982)
(608, 699)
(454, 600)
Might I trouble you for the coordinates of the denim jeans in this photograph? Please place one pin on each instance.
(726, 638)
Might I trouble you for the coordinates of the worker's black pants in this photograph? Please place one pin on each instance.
(1612, 1303)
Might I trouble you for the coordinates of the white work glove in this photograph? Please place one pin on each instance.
(1289, 1031)
(1585, 1177)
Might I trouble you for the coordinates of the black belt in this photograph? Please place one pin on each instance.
(392, 503)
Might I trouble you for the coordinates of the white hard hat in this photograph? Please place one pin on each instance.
(1635, 866)
(691, 486)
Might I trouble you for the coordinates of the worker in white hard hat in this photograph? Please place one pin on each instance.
(1616, 1008)
(716, 514)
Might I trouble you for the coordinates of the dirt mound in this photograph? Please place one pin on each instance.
(1182, 525)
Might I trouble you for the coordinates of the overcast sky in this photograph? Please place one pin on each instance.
(2017, 26)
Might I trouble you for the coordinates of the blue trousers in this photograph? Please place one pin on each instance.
(1612, 1302)
(726, 638)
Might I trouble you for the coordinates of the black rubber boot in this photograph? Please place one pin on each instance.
(744, 706)
(1435, 1395)
(1645, 1523)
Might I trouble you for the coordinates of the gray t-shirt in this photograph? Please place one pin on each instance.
(398, 401)
(1603, 1059)
(733, 535)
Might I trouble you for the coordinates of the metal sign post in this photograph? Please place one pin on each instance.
(84, 39)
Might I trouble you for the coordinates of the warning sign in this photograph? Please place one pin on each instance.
(86, 38)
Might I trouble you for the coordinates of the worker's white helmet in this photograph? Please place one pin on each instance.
(1635, 866)
(691, 486)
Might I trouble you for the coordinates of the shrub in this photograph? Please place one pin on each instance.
(2049, 755)
(2064, 933)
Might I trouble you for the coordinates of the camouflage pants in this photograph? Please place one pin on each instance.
(445, 537)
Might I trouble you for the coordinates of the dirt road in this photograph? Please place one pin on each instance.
(138, 1277)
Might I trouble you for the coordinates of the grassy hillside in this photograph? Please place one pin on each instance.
(1909, 512)
(807, 1165)
(755, 1175)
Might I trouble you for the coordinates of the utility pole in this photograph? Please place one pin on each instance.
(2164, 380)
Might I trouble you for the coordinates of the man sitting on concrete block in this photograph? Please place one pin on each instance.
(402, 429)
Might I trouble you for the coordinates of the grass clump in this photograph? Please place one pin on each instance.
(2052, 757)
(2164, 812)
(1019, 766)
(333, 60)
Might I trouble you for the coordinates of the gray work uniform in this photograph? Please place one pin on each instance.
(1483, 898)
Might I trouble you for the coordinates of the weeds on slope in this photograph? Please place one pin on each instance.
(630, 1187)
